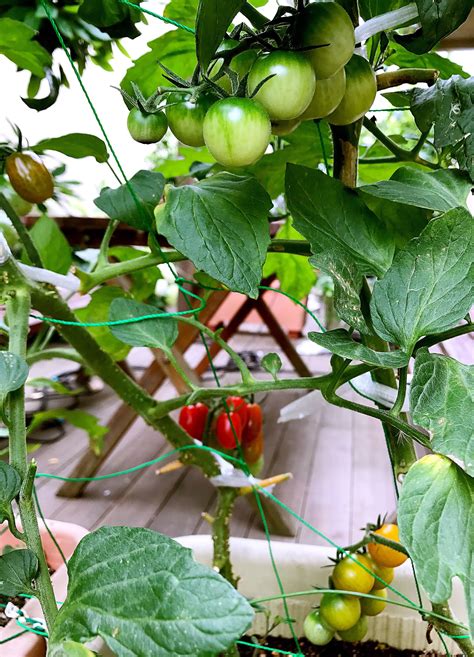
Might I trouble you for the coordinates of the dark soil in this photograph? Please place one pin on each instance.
(18, 602)
(334, 649)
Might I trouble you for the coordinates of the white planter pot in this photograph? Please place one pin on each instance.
(300, 568)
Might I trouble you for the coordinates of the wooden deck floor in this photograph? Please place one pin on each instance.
(341, 479)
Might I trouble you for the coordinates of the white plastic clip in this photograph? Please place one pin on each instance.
(386, 21)
(12, 611)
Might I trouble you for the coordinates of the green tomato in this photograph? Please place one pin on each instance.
(237, 131)
(316, 630)
(384, 572)
(186, 117)
(146, 128)
(282, 128)
(328, 25)
(240, 64)
(327, 96)
(357, 632)
(289, 92)
(361, 88)
(374, 607)
(257, 467)
(340, 611)
(348, 575)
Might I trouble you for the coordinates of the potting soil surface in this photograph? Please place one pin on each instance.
(334, 649)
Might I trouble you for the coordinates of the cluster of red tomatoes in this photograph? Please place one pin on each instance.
(320, 77)
(347, 614)
(241, 423)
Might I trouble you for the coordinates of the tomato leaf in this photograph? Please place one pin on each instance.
(430, 285)
(340, 342)
(13, 373)
(438, 19)
(221, 224)
(405, 59)
(17, 570)
(16, 43)
(10, 484)
(53, 247)
(116, 19)
(135, 202)
(188, 610)
(442, 401)
(75, 145)
(213, 19)
(175, 49)
(158, 332)
(448, 106)
(440, 190)
(182, 11)
(370, 8)
(98, 311)
(272, 364)
(143, 281)
(80, 419)
(436, 505)
(347, 239)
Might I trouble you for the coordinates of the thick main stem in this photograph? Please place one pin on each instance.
(443, 609)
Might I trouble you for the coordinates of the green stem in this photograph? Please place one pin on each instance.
(48, 354)
(23, 234)
(103, 258)
(402, 390)
(393, 545)
(257, 19)
(391, 79)
(296, 247)
(451, 627)
(221, 533)
(401, 154)
(177, 367)
(431, 340)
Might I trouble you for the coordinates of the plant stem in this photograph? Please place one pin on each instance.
(452, 629)
(23, 234)
(346, 149)
(103, 258)
(391, 79)
(431, 340)
(48, 354)
(296, 247)
(221, 533)
(257, 19)
(177, 367)
(402, 390)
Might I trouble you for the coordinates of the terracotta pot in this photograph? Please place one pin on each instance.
(301, 568)
(68, 536)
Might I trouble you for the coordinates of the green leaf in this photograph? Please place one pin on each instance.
(133, 203)
(213, 19)
(448, 106)
(438, 19)
(10, 484)
(171, 166)
(98, 311)
(80, 419)
(161, 332)
(182, 11)
(57, 386)
(272, 364)
(295, 274)
(76, 144)
(440, 190)
(116, 19)
(370, 8)
(16, 43)
(221, 224)
(144, 281)
(52, 246)
(435, 515)
(405, 59)
(13, 373)
(430, 284)
(188, 609)
(70, 649)
(340, 342)
(175, 49)
(347, 239)
(17, 570)
(442, 401)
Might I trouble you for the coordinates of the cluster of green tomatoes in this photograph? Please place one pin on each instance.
(319, 77)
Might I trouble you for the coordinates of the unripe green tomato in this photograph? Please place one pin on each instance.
(257, 467)
(361, 88)
(357, 632)
(385, 573)
(240, 64)
(282, 128)
(374, 607)
(327, 96)
(237, 131)
(339, 611)
(186, 117)
(146, 128)
(316, 630)
(328, 23)
(348, 575)
(287, 94)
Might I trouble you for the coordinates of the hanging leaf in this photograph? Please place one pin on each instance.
(182, 11)
(16, 43)
(340, 342)
(212, 22)
(188, 610)
(76, 144)
(133, 203)
(161, 333)
(430, 285)
(80, 419)
(272, 364)
(10, 484)
(442, 401)
(51, 244)
(115, 18)
(18, 568)
(221, 225)
(370, 8)
(13, 373)
(435, 510)
(405, 59)
(347, 239)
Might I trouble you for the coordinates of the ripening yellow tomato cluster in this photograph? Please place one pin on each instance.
(364, 574)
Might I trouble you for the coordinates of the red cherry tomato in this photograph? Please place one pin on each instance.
(253, 428)
(254, 450)
(228, 428)
(193, 419)
(240, 406)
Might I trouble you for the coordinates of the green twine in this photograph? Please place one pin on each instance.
(272, 650)
(165, 19)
